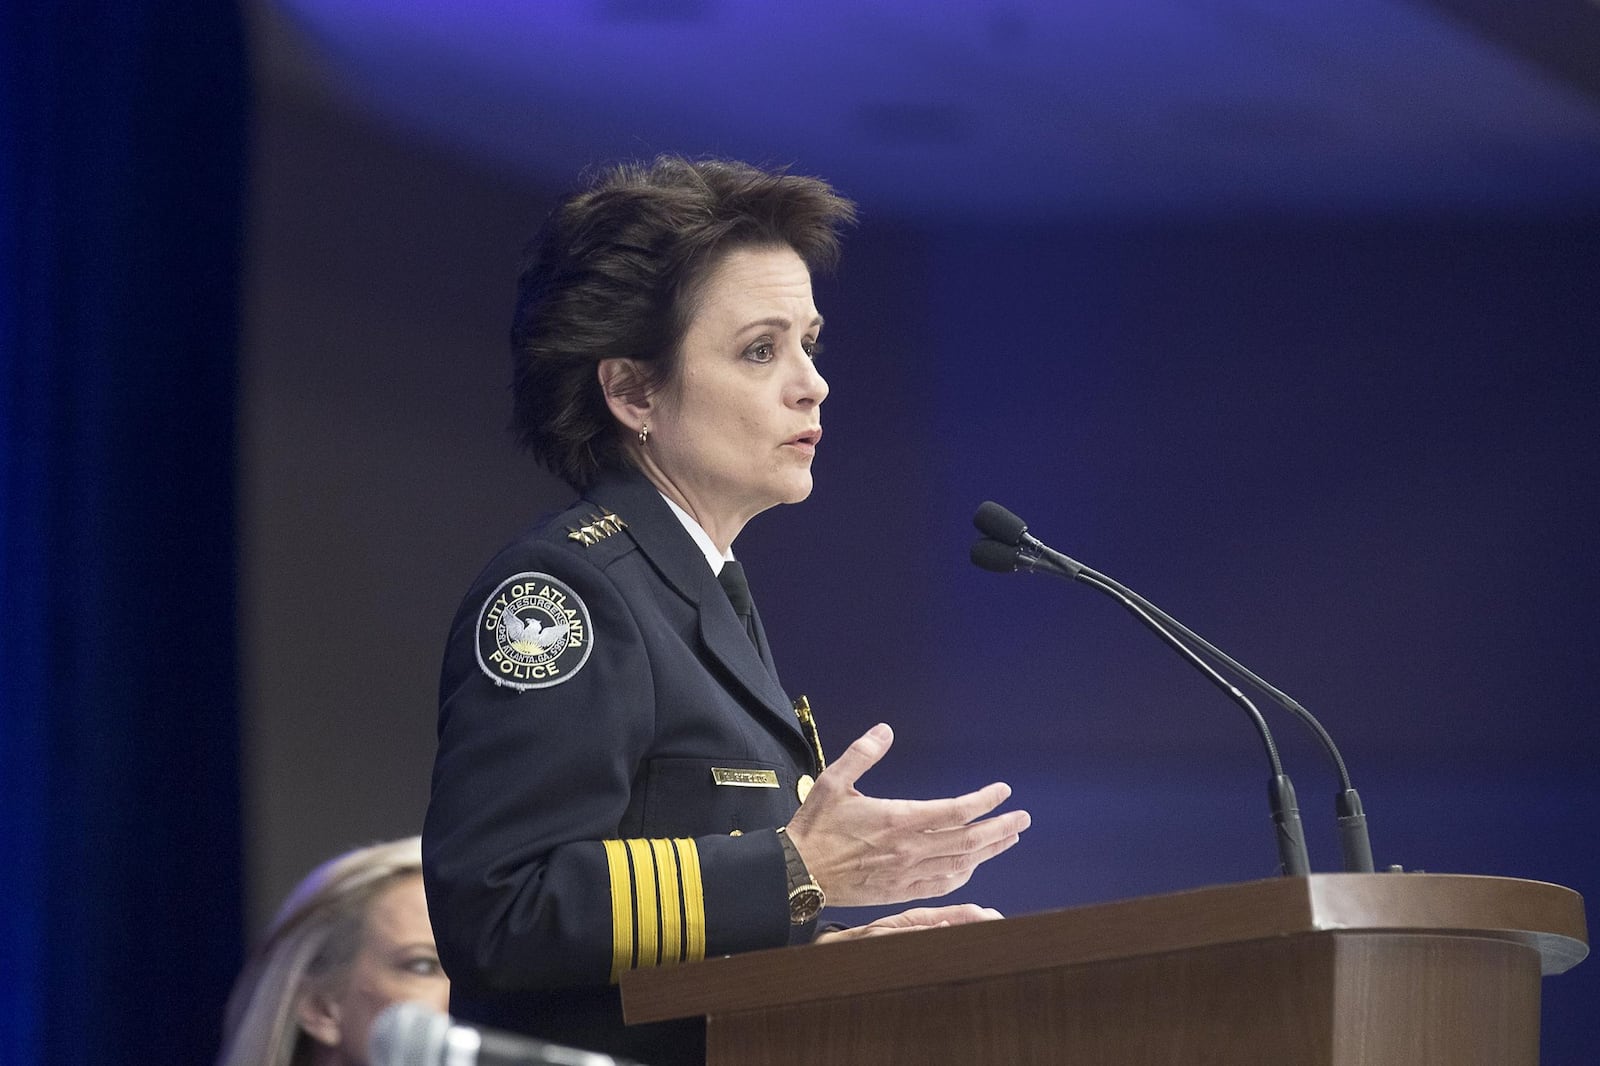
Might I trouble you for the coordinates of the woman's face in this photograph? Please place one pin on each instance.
(396, 962)
(735, 431)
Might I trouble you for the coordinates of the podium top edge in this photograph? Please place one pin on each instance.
(1547, 917)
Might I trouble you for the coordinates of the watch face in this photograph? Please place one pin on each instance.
(805, 903)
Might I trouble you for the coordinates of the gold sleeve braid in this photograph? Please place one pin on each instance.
(658, 905)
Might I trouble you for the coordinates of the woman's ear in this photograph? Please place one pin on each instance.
(318, 1014)
(623, 386)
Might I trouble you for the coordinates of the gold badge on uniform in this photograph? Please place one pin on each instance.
(533, 632)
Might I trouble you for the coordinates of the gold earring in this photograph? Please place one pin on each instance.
(644, 435)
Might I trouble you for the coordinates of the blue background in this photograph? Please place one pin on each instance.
(1356, 449)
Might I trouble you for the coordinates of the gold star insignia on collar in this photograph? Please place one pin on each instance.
(598, 528)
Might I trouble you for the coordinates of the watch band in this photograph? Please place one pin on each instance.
(806, 898)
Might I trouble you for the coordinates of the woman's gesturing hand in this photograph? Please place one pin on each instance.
(867, 852)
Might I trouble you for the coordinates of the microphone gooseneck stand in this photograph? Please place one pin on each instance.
(1006, 546)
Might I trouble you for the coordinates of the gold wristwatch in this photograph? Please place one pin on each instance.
(805, 895)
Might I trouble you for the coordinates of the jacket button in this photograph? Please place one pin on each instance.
(802, 787)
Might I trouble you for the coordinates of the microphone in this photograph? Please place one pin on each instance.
(1008, 546)
(409, 1034)
(999, 524)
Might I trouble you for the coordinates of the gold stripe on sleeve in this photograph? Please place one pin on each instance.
(671, 912)
(658, 903)
(621, 909)
(694, 900)
(644, 901)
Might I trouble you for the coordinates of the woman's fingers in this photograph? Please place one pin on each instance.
(933, 815)
(862, 755)
(956, 847)
(917, 918)
(951, 914)
(962, 865)
(977, 838)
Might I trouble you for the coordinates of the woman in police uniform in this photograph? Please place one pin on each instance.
(620, 773)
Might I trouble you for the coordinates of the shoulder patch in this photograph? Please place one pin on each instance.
(533, 632)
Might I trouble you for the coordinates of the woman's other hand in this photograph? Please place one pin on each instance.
(916, 918)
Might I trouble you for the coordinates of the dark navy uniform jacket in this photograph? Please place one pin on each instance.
(614, 754)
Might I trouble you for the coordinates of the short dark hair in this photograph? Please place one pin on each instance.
(615, 272)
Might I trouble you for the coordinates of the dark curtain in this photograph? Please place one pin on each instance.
(121, 175)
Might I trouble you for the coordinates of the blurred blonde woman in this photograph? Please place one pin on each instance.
(352, 938)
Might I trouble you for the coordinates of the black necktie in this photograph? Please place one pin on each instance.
(733, 583)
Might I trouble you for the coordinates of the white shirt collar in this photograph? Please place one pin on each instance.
(702, 539)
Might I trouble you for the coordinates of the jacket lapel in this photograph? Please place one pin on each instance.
(761, 643)
(670, 549)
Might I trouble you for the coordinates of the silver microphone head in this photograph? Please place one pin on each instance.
(408, 1034)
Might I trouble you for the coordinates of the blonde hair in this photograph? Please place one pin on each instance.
(314, 937)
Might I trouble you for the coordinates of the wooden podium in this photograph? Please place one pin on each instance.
(1328, 970)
